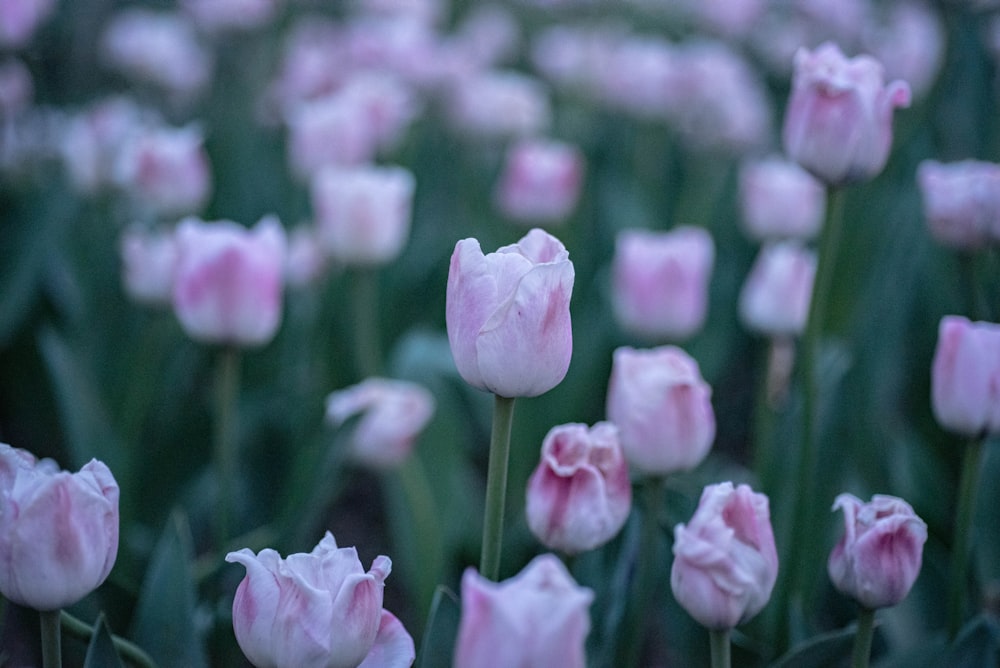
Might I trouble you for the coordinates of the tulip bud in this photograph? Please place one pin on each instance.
(878, 558)
(580, 495)
(961, 202)
(148, 259)
(507, 314)
(781, 200)
(725, 560)
(775, 298)
(537, 618)
(394, 412)
(662, 408)
(965, 376)
(660, 281)
(58, 530)
(363, 214)
(540, 181)
(229, 280)
(319, 609)
(839, 119)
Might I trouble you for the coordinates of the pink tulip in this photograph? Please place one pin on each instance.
(878, 558)
(779, 199)
(499, 104)
(725, 561)
(507, 314)
(94, 138)
(540, 181)
(662, 408)
(660, 281)
(393, 646)
(537, 618)
(319, 609)
(17, 89)
(839, 119)
(961, 202)
(148, 259)
(363, 214)
(965, 376)
(332, 131)
(58, 530)
(305, 261)
(19, 19)
(580, 494)
(910, 42)
(775, 297)
(393, 413)
(229, 280)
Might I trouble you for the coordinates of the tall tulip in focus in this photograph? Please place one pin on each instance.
(537, 618)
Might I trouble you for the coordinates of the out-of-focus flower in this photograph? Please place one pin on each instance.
(878, 558)
(726, 17)
(58, 530)
(961, 202)
(93, 139)
(19, 19)
(725, 561)
(574, 58)
(329, 132)
(222, 15)
(662, 408)
(499, 104)
(507, 314)
(426, 12)
(775, 297)
(965, 376)
(148, 259)
(402, 45)
(363, 214)
(388, 102)
(537, 618)
(579, 496)
(228, 280)
(488, 35)
(838, 124)
(305, 261)
(638, 75)
(540, 181)
(17, 89)
(160, 48)
(779, 199)
(393, 413)
(660, 281)
(910, 43)
(318, 609)
(165, 171)
(313, 65)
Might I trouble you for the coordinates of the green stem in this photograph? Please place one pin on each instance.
(863, 638)
(637, 605)
(227, 385)
(51, 640)
(364, 284)
(719, 641)
(129, 651)
(962, 537)
(496, 487)
(426, 527)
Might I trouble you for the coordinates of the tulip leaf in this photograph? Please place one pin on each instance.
(827, 649)
(438, 644)
(101, 652)
(978, 644)
(164, 620)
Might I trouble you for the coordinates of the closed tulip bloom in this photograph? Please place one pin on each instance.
(228, 280)
(536, 619)
(725, 561)
(540, 181)
(775, 297)
(965, 376)
(878, 558)
(838, 124)
(580, 494)
(315, 610)
(363, 214)
(961, 202)
(662, 407)
(148, 259)
(507, 314)
(393, 413)
(779, 200)
(58, 530)
(660, 281)
(330, 131)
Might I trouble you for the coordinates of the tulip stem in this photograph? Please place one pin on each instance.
(863, 638)
(719, 641)
(128, 651)
(227, 393)
(963, 528)
(634, 624)
(51, 640)
(364, 282)
(412, 478)
(496, 488)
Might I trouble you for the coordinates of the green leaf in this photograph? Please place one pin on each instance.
(438, 645)
(827, 649)
(978, 644)
(101, 651)
(164, 620)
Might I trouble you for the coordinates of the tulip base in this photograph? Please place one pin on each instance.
(227, 393)
(863, 639)
(496, 488)
(721, 648)
(51, 638)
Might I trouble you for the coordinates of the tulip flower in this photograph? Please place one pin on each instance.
(540, 181)
(662, 407)
(319, 609)
(839, 119)
(148, 259)
(537, 618)
(725, 561)
(775, 297)
(961, 202)
(965, 376)
(507, 314)
(580, 494)
(58, 530)
(229, 280)
(660, 281)
(878, 558)
(779, 199)
(394, 412)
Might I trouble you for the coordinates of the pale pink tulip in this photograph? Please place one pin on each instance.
(961, 202)
(775, 298)
(148, 259)
(499, 104)
(20, 19)
(965, 376)
(332, 131)
(779, 199)
(540, 181)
